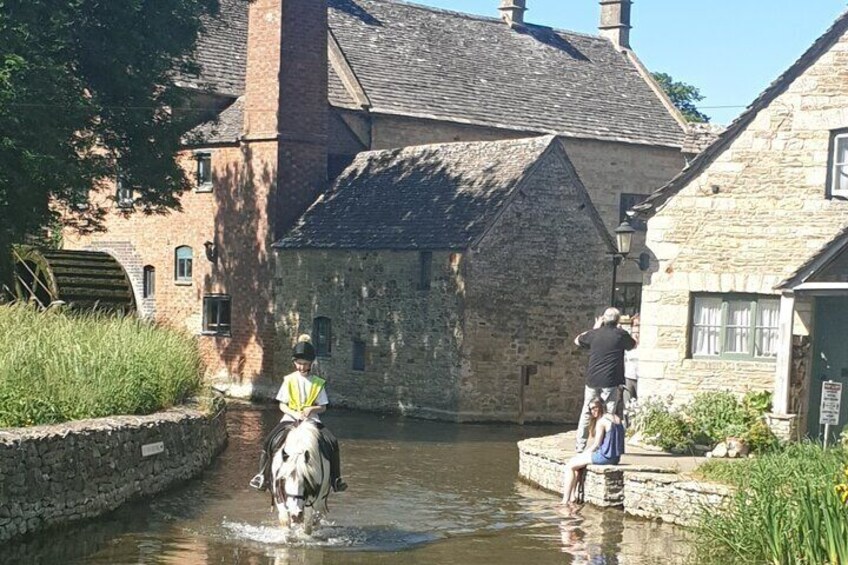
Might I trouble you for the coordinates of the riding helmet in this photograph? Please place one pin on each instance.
(303, 350)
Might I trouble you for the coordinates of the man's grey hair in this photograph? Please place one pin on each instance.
(611, 316)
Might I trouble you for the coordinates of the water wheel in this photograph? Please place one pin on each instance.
(84, 280)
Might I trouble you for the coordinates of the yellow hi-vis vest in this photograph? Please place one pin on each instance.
(295, 402)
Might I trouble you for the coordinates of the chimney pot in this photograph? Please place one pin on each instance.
(512, 11)
(615, 22)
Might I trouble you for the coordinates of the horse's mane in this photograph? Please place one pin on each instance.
(304, 438)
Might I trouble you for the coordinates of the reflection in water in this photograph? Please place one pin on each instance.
(421, 492)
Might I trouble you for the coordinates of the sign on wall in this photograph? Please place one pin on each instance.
(152, 449)
(831, 399)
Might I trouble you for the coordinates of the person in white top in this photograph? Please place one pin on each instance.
(302, 396)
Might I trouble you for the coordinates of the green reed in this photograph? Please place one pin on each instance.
(786, 509)
(57, 366)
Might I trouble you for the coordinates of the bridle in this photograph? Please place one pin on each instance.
(303, 497)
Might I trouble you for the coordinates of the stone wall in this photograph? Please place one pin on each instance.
(536, 280)
(746, 222)
(52, 475)
(650, 492)
(411, 336)
(670, 497)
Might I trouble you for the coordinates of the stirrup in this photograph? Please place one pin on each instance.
(340, 485)
(258, 482)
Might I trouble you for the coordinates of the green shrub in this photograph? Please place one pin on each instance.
(760, 438)
(716, 416)
(786, 509)
(56, 367)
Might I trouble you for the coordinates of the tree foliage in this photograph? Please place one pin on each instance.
(87, 88)
(683, 96)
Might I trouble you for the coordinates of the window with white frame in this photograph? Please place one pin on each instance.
(734, 326)
(204, 172)
(182, 264)
(217, 314)
(839, 165)
(123, 192)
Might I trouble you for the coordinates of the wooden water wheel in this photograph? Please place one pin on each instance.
(86, 280)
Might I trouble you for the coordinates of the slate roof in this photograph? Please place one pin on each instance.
(222, 51)
(441, 196)
(425, 62)
(420, 61)
(726, 138)
(699, 137)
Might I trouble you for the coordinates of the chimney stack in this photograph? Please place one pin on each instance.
(512, 11)
(615, 22)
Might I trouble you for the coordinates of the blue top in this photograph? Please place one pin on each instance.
(612, 447)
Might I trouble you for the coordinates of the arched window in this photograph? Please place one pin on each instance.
(182, 264)
(149, 282)
(321, 336)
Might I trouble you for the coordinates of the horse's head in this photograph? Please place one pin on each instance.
(301, 470)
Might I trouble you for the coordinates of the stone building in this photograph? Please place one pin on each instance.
(749, 289)
(300, 87)
(448, 280)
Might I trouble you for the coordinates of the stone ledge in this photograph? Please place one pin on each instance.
(649, 491)
(57, 474)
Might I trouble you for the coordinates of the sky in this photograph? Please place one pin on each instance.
(731, 50)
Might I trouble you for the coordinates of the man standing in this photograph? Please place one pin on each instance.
(606, 343)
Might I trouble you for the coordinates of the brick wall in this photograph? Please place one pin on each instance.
(259, 187)
(744, 224)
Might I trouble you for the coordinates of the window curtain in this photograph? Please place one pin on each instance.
(738, 333)
(841, 165)
(765, 339)
(707, 326)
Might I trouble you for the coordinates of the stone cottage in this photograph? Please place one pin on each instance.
(749, 290)
(300, 87)
(448, 280)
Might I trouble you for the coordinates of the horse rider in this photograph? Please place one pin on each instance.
(302, 396)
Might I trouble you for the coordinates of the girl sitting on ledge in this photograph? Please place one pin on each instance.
(606, 438)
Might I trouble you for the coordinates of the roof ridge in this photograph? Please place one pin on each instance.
(509, 141)
(480, 17)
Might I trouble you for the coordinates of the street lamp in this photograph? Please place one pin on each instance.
(623, 238)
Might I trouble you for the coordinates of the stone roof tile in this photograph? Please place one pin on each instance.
(441, 196)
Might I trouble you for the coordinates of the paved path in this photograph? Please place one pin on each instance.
(560, 448)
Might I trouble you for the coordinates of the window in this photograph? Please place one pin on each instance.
(149, 282)
(123, 192)
(321, 334)
(358, 355)
(182, 264)
(626, 202)
(204, 172)
(628, 298)
(217, 314)
(425, 264)
(734, 326)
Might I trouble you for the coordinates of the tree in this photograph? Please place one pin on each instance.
(87, 89)
(683, 96)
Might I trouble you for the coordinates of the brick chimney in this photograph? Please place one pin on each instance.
(512, 11)
(615, 22)
(285, 105)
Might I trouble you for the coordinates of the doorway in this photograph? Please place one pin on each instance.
(830, 360)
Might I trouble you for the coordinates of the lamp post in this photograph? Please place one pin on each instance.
(623, 238)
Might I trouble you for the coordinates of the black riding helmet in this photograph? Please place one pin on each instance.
(304, 350)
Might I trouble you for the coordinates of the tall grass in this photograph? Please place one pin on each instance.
(786, 509)
(56, 367)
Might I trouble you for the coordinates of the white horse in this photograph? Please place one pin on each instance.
(300, 474)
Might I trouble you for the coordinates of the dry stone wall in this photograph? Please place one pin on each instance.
(51, 475)
(648, 492)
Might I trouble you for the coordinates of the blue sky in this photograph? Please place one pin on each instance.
(730, 49)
